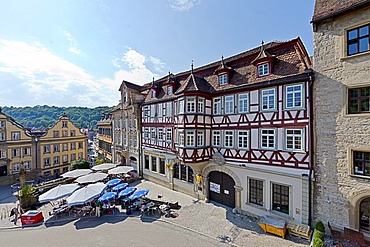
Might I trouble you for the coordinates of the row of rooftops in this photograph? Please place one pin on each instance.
(286, 58)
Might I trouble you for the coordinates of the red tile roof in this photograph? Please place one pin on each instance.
(328, 8)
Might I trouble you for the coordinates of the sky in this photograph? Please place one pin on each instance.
(77, 52)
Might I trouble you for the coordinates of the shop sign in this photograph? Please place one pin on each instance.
(214, 187)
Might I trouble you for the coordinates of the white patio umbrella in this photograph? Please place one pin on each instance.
(91, 178)
(120, 170)
(86, 194)
(104, 166)
(76, 173)
(62, 190)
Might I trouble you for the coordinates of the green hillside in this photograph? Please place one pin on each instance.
(46, 116)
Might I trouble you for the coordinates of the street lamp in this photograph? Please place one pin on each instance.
(36, 159)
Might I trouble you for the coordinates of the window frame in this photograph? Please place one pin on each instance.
(190, 138)
(218, 139)
(228, 138)
(243, 102)
(200, 138)
(275, 207)
(191, 104)
(359, 98)
(357, 40)
(243, 139)
(302, 94)
(268, 139)
(168, 135)
(201, 103)
(217, 106)
(160, 134)
(262, 72)
(365, 169)
(293, 135)
(262, 96)
(169, 90)
(223, 79)
(229, 101)
(254, 192)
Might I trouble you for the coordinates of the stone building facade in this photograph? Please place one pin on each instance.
(342, 113)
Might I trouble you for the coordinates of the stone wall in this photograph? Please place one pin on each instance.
(336, 132)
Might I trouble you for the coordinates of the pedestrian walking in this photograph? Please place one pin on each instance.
(97, 209)
(16, 213)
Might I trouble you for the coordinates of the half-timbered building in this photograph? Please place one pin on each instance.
(236, 131)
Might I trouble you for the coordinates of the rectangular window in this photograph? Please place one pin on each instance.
(361, 163)
(73, 146)
(229, 104)
(181, 138)
(73, 133)
(2, 136)
(256, 192)
(268, 98)
(154, 164)
(56, 160)
(73, 157)
(176, 171)
(46, 148)
(3, 153)
(16, 135)
(293, 96)
(294, 139)
(180, 106)
(169, 109)
(26, 151)
(56, 133)
(152, 135)
(263, 69)
(243, 103)
(229, 140)
(280, 198)
(160, 134)
(358, 40)
(190, 138)
(243, 139)
(16, 167)
(153, 93)
(200, 138)
(359, 100)
(65, 133)
(80, 145)
(169, 90)
(169, 135)
(146, 133)
(217, 104)
(146, 112)
(268, 138)
(162, 165)
(216, 138)
(222, 79)
(200, 105)
(2, 124)
(65, 146)
(146, 163)
(47, 162)
(16, 152)
(27, 165)
(64, 124)
(160, 110)
(65, 158)
(56, 148)
(190, 104)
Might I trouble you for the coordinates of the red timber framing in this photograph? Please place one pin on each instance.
(290, 75)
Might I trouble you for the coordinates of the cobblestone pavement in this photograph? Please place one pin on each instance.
(209, 219)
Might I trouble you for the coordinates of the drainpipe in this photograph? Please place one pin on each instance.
(311, 148)
(139, 128)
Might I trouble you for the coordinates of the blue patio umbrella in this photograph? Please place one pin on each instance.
(113, 182)
(138, 194)
(120, 187)
(126, 192)
(107, 196)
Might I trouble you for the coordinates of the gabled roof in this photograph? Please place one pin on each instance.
(194, 83)
(329, 8)
(130, 85)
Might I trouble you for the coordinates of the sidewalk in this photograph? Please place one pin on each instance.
(212, 220)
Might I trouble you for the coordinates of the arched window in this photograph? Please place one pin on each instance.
(365, 215)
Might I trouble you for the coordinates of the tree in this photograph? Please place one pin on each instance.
(99, 161)
(80, 164)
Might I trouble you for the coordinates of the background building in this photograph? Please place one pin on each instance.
(43, 153)
(342, 113)
(105, 136)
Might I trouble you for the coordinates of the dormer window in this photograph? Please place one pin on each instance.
(153, 93)
(263, 69)
(222, 79)
(169, 90)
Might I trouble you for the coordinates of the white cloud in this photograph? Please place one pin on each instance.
(183, 5)
(137, 67)
(73, 44)
(45, 78)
